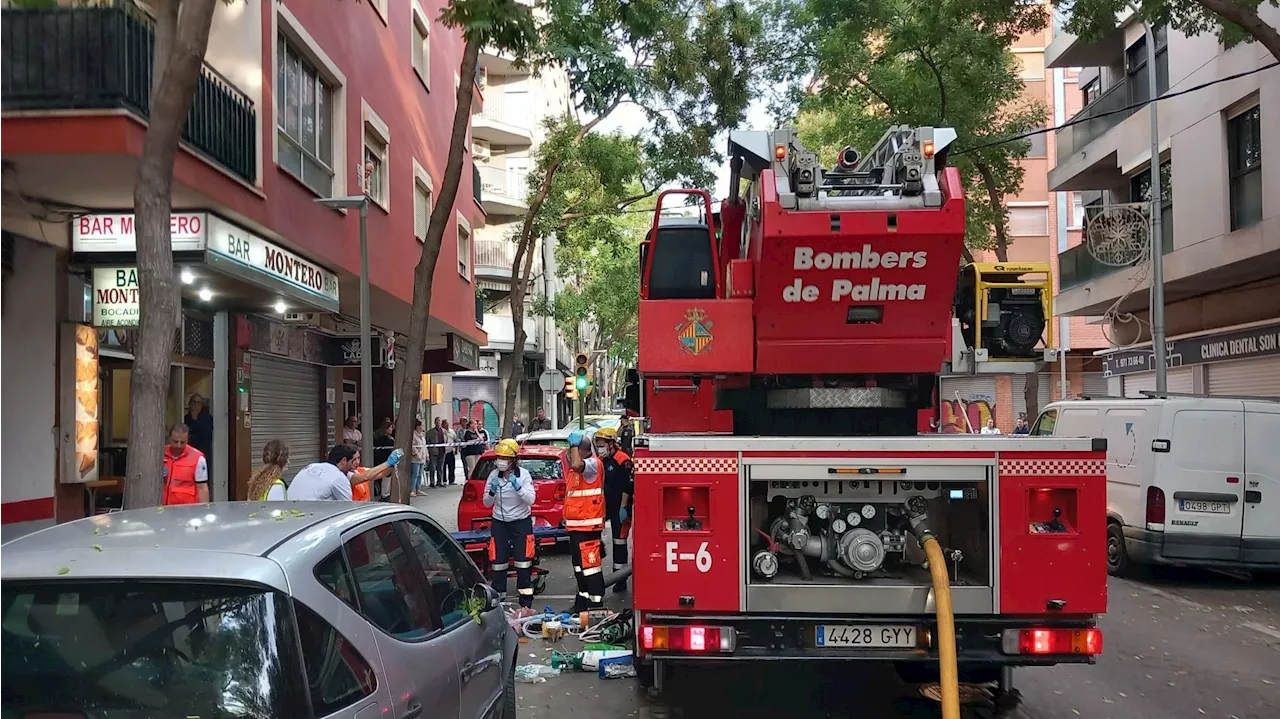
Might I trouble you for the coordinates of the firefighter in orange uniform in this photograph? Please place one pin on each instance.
(584, 514)
(186, 472)
(619, 489)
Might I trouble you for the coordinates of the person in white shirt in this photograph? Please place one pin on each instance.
(332, 480)
(418, 459)
(991, 428)
(350, 434)
(510, 493)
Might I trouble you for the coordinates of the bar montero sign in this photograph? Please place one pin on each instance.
(1241, 344)
(115, 233)
(115, 297)
(238, 244)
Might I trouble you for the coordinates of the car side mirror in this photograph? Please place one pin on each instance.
(493, 600)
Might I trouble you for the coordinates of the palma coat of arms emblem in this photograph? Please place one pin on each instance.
(695, 332)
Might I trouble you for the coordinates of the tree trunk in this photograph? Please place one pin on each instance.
(997, 203)
(519, 290)
(184, 32)
(424, 274)
(1032, 395)
(1248, 20)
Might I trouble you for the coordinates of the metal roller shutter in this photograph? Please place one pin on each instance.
(284, 403)
(1179, 380)
(1246, 378)
(1094, 384)
(478, 398)
(1047, 383)
(977, 399)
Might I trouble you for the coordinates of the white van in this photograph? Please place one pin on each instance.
(1190, 480)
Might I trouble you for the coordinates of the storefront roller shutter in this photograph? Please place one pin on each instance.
(1179, 380)
(284, 403)
(478, 399)
(977, 400)
(1246, 378)
(1094, 384)
(1047, 384)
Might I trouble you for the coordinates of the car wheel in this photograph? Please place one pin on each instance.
(1117, 556)
(507, 705)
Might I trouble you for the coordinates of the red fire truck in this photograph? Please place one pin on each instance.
(788, 505)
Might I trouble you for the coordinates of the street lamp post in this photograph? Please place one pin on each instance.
(1157, 233)
(361, 203)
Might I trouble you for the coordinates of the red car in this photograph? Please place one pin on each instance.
(546, 464)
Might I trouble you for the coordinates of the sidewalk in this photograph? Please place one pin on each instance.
(441, 503)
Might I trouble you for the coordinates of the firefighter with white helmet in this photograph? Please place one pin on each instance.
(510, 493)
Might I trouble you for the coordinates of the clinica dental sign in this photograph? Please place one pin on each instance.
(863, 289)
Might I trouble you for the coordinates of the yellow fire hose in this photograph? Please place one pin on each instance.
(949, 679)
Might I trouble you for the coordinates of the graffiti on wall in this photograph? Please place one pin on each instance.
(977, 410)
(482, 413)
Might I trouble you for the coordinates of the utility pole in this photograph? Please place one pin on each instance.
(1157, 233)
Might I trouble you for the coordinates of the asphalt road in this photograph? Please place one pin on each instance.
(1176, 644)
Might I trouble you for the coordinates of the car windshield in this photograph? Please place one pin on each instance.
(106, 650)
(546, 442)
(593, 423)
(538, 467)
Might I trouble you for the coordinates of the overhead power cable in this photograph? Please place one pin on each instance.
(1126, 108)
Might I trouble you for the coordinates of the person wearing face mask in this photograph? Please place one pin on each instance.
(510, 494)
(584, 519)
(619, 488)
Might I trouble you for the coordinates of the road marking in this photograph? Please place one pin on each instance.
(1251, 626)
(1261, 629)
(1176, 598)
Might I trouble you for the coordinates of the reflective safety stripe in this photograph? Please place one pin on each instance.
(579, 523)
(577, 570)
(585, 492)
(523, 565)
(526, 591)
(595, 597)
(620, 542)
(584, 594)
(592, 570)
(500, 567)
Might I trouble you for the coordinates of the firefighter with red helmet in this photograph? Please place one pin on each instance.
(619, 488)
(584, 515)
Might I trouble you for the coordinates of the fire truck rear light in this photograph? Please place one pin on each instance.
(692, 639)
(1052, 641)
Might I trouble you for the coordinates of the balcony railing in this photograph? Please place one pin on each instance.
(477, 185)
(1092, 121)
(502, 254)
(102, 58)
(512, 184)
(1077, 267)
(494, 110)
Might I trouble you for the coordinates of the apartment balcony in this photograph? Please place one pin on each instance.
(101, 58)
(1101, 151)
(1067, 50)
(499, 127)
(502, 336)
(505, 191)
(496, 258)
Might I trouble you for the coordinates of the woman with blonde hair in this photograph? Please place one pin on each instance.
(267, 484)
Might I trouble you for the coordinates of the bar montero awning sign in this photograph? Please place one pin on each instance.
(1248, 343)
(227, 247)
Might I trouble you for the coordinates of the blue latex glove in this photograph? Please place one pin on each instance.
(575, 438)
(394, 459)
(495, 483)
(515, 481)
(622, 515)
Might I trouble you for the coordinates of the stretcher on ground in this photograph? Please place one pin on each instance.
(475, 542)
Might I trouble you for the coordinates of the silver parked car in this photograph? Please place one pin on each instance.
(252, 610)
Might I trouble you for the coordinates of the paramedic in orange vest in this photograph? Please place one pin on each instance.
(619, 488)
(584, 520)
(186, 472)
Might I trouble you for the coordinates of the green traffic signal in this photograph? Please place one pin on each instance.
(581, 382)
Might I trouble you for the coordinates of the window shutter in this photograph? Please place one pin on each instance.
(421, 211)
(1029, 221)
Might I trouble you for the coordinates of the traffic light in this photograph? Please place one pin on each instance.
(582, 372)
(570, 392)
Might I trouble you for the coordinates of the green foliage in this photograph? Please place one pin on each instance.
(920, 63)
(505, 24)
(1092, 19)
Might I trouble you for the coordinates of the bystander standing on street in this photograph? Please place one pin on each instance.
(351, 431)
(267, 483)
(418, 458)
(472, 449)
(199, 423)
(517, 427)
(334, 478)
(626, 433)
(383, 442)
(1022, 427)
(540, 421)
(435, 454)
(450, 453)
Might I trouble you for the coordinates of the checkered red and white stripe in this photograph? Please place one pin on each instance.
(1053, 467)
(686, 465)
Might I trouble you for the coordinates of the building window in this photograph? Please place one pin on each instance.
(1244, 163)
(464, 249)
(305, 118)
(421, 44)
(1091, 92)
(1135, 63)
(1037, 142)
(421, 210)
(1077, 212)
(1029, 221)
(1140, 191)
(377, 142)
(1032, 65)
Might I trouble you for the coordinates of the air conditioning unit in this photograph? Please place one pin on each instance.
(302, 318)
(482, 77)
(480, 150)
